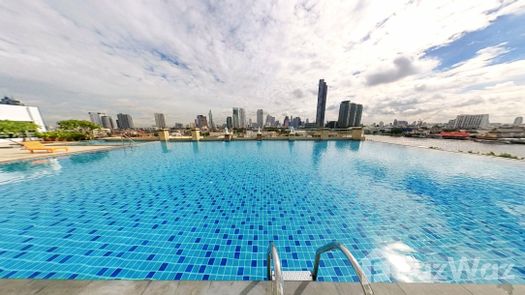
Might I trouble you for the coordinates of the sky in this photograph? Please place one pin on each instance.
(406, 60)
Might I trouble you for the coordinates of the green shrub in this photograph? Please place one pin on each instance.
(509, 156)
(62, 135)
(16, 129)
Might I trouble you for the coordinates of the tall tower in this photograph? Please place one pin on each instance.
(358, 114)
(242, 118)
(160, 120)
(125, 121)
(260, 115)
(321, 103)
(211, 124)
(235, 117)
(344, 114)
(95, 118)
(352, 114)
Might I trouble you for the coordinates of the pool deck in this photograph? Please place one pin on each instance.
(16, 153)
(63, 287)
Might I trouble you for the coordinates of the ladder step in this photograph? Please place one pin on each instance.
(295, 276)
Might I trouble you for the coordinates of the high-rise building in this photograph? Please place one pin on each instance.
(286, 122)
(235, 118)
(358, 115)
(242, 118)
(344, 114)
(229, 123)
(270, 121)
(352, 114)
(296, 122)
(480, 121)
(518, 121)
(321, 103)
(160, 120)
(211, 123)
(260, 115)
(125, 121)
(107, 122)
(201, 122)
(96, 117)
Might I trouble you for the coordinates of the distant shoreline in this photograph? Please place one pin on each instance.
(453, 145)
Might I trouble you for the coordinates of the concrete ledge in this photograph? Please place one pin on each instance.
(109, 287)
(19, 154)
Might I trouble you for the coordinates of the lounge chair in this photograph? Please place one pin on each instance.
(38, 146)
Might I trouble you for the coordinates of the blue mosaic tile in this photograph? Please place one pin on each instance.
(207, 211)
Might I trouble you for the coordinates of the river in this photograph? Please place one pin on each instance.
(454, 145)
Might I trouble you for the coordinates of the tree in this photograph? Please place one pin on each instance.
(17, 128)
(82, 126)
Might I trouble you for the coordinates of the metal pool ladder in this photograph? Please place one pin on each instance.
(130, 141)
(278, 277)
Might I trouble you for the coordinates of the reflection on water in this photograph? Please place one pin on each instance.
(291, 144)
(195, 145)
(318, 150)
(404, 267)
(25, 170)
(395, 261)
(164, 147)
(343, 145)
(88, 158)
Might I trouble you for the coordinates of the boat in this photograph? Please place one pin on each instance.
(454, 134)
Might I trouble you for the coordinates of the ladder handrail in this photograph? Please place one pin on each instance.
(360, 274)
(272, 254)
(124, 136)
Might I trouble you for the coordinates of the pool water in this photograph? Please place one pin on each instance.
(207, 211)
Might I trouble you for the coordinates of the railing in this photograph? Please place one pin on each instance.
(124, 136)
(277, 287)
(360, 274)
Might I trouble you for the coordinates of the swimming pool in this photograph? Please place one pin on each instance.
(207, 211)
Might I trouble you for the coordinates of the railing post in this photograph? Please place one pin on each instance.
(277, 287)
(367, 289)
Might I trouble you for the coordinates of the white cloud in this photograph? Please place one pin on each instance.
(183, 58)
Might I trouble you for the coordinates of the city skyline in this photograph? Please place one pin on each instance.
(187, 58)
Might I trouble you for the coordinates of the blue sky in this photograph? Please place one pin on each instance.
(405, 60)
(506, 29)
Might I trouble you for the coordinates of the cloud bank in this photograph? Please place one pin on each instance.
(398, 58)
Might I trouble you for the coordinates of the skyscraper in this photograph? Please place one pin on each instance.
(344, 114)
(211, 123)
(242, 118)
(270, 121)
(286, 122)
(260, 115)
(160, 120)
(321, 103)
(296, 122)
(358, 114)
(125, 121)
(352, 114)
(201, 122)
(95, 117)
(235, 118)
(107, 122)
(480, 121)
(229, 123)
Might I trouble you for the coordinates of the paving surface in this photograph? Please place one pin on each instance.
(63, 287)
(17, 153)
